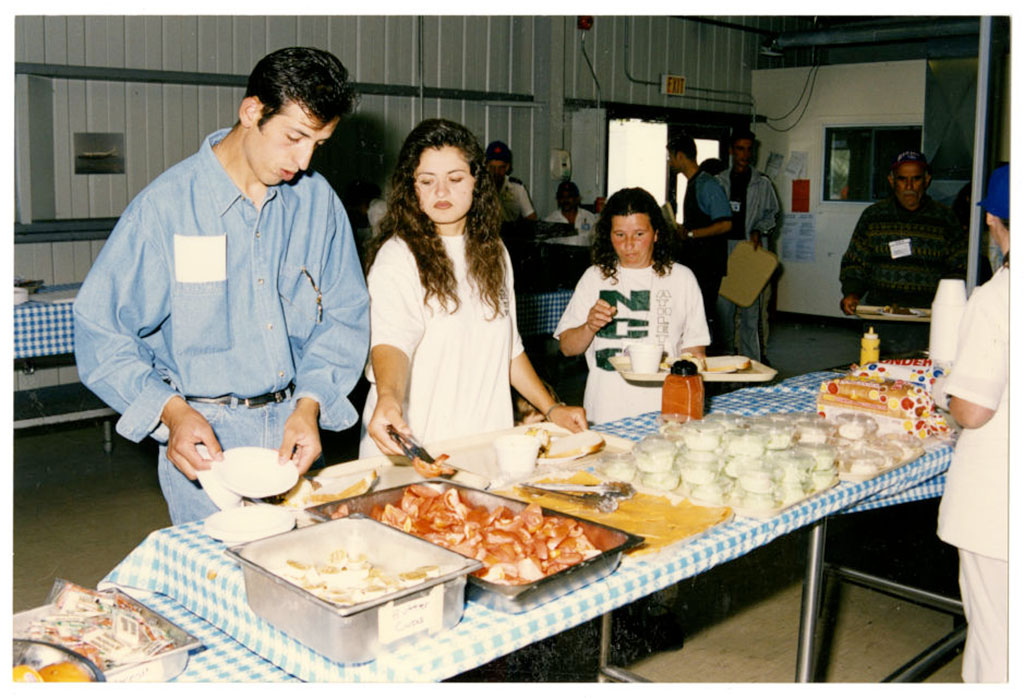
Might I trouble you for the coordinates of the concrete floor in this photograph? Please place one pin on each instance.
(78, 511)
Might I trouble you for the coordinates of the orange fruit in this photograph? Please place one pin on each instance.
(64, 671)
(26, 674)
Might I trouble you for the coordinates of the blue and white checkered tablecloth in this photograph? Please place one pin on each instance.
(191, 570)
(43, 329)
(539, 313)
(220, 658)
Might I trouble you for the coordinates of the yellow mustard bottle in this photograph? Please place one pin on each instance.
(869, 344)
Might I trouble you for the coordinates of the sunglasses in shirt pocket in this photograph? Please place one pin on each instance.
(301, 301)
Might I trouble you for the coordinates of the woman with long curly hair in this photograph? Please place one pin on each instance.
(444, 348)
(634, 292)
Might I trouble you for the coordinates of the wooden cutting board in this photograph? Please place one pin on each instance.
(748, 272)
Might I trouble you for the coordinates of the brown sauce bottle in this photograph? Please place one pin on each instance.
(682, 396)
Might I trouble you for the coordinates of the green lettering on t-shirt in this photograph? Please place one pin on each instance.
(638, 300)
(622, 328)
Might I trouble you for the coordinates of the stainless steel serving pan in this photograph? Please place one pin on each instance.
(509, 598)
(162, 667)
(357, 633)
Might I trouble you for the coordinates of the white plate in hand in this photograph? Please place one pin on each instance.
(254, 472)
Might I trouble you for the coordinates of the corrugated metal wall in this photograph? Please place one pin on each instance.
(545, 57)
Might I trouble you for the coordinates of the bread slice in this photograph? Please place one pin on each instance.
(726, 364)
(574, 445)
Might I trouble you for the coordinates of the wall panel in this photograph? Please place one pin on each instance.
(164, 123)
(496, 53)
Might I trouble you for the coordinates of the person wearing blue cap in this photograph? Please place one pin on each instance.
(515, 200)
(900, 249)
(973, 513)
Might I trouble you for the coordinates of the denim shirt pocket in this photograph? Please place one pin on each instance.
(199, 313)
(300, 300)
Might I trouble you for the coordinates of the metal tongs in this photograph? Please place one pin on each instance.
(414, 452)
(604, 497)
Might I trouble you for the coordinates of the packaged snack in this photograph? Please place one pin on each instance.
(916, 371)
(897, 406)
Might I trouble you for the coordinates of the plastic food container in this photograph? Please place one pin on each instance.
(737, 465)
(617, 466)
(715, 493)
(36, 654)
(855, 426)
(665, 480)
(700, 474)
(909, 445)
(750, 442)
(687, 456)
(792, 465)
(779, 436)
(824, 455)
(814, 431)
(728, 420)
(703, 436)
(357, 633)
(654, 454)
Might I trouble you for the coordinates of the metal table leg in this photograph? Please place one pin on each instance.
(108, 436)
(810, 604)
(605, 671)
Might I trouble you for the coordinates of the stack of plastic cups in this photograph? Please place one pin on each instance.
(947, 309)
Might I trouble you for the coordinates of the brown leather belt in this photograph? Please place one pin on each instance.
(257, 401)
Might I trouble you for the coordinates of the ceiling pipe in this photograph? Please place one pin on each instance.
(918, 29)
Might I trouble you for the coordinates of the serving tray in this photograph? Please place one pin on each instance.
(757, 373)
(878, 312)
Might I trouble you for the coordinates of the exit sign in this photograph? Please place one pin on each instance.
(673, 84)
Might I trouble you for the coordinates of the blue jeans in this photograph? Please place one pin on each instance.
(749, 344)
(233, 427)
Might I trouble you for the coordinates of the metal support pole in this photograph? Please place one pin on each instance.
(980, 151)
(922, 597)
(924, 664)
(810, 604)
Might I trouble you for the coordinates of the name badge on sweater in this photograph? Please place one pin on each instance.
(899, 248)
(200, 258)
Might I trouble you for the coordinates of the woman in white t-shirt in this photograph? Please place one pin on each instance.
(633, 293)
(444, 347)
(974, 512)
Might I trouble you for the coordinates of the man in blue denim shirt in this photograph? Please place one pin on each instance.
(228, 307)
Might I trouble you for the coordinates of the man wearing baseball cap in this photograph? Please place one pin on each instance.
(900, 249)
(515, 200)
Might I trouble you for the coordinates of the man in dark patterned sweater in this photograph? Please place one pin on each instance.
(901, 248)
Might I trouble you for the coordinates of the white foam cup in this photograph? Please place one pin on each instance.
(947, 309)
(950, 292)
(517, 454)
(644, 358)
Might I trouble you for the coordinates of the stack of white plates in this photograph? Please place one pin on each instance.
(243, 524)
